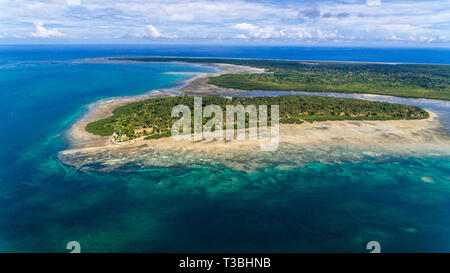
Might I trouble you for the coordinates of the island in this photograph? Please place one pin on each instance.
(134, 132)
(152, 117)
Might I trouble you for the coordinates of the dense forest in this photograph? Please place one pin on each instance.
(152, 117)
(403, 80)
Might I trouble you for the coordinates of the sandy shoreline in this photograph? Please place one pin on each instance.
(330, 141)
(322, 141)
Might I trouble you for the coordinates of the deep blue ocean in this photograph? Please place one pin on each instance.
(13, 53)
(333, 207)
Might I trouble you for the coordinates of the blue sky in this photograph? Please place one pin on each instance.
(343, 22)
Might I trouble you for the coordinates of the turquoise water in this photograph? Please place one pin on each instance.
(40, 99)
(402, 202)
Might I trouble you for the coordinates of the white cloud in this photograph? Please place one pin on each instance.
(149, 31)
(246, 27)
(42, 32)
(287, 33)
(267, 32)
(73, 2)
(182, 17)
(304, 34)
(153, 32)
(373, 2)
(242, 36)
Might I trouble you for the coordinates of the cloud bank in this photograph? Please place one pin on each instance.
(287, 22)
(42, 32)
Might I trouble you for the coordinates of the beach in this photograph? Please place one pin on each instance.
(328, 141)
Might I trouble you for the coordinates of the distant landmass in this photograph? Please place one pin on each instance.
(402, 80)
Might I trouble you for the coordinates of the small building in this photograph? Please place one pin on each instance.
(143, 131)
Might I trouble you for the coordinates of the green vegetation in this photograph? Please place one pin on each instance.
(152, 117)
(403, 80)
